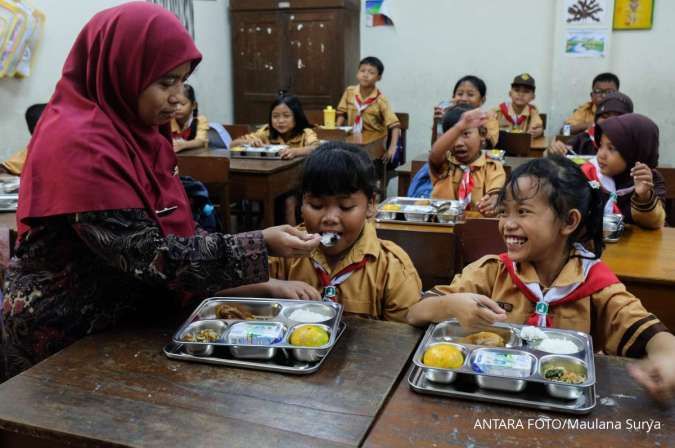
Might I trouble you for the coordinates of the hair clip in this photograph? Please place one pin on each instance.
(594, 184)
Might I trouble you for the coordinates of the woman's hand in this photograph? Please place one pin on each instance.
(287, 289)
(287, 241)
(474, 310)
(643, 180)
(557, 148)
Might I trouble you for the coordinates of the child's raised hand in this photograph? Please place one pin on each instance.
(474, 118)
(643, 180)
(472, 310)
(438, 112)
(288, 289)
(487, 206)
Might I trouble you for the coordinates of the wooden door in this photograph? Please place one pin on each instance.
(258, 61)
(314, 57)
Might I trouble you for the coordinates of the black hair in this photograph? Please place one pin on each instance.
(567, 188)
(478, 83)
(375, 62)
(33, 114)
(338, 168)
(453, 114)
(293, 103)
(607, 77)
(189, 93)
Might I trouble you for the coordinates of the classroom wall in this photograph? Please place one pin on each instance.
(424, 54)
(62, 26)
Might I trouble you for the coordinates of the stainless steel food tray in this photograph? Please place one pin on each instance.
(421, 211)
(270, 152)
(9, 202)
(470, 380)
(534, 396)
(235, 325)
(281, 363)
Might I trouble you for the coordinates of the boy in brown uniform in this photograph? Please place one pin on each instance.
(457, 166)
(520, 115)
(368, 276)
(583, 116)
(365, 108)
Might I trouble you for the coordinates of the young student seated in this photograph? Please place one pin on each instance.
(286, 125)
(550, 218)
(368, 276)
(624, 169)
(520, 115)
(189, 130)
(469, 90)
(613, 105)
(366, 109)
(583, 116)
(15, 163)
(458, 167)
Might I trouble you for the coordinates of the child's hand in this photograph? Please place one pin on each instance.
(255, 141)
(287, 289)
(473, 119)
(438, 112)
(288, 153)
(473, 310)
(487, 205)
(537, 130)
(643, 180)
(656, 374)
(557, 148)
(389, 154)
(179, 145)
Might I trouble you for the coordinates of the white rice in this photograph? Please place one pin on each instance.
(558, 346)
(306, 316)
(531, 333)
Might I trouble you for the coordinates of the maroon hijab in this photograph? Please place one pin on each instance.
(90, 151)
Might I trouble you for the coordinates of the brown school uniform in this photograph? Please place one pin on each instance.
(492, 129)
(616, 319)
(384, 289)
(202, 129)
(377, 118)
(306, 138)
(530, 112)
(489, 178)
(582, 114)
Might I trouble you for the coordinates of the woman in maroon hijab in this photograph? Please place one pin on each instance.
(104, 224)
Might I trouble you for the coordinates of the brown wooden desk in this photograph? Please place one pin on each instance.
(372, 144)
(258, 180)
(413, 420)
(118, 389)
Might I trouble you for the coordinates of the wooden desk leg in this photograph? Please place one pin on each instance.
(268, 211)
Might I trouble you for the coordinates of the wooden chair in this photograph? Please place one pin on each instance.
(404, 120)
(515, 144)
(237, 130)
(214, 172)
(478, 237)
(434, 255)
(668, 173)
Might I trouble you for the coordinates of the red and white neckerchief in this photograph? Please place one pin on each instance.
(515, 120)
(329, 284)
(185, 132)
(466, 184)
(362, 105)
(592, 171)
(591, 135)
(596, 276)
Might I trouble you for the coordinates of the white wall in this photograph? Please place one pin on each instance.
(61, 28)
(433, 43)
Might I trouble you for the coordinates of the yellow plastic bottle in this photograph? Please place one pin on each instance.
(329, 117)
